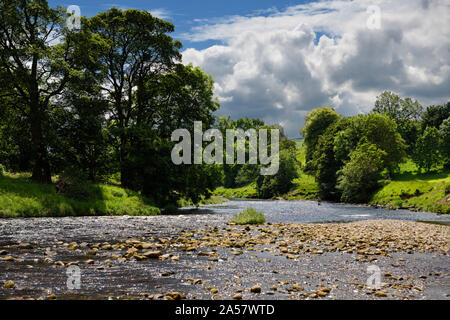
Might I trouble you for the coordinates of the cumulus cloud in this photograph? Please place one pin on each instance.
(281, 65)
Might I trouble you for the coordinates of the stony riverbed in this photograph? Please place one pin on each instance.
(203, 257)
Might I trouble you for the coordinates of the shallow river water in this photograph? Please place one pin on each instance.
(311, 212)
(35, 255)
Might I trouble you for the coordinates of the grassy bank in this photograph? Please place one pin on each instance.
(215, 199)
(416, 191)
(19, 197)
(247, 192)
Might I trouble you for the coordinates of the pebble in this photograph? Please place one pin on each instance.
(9, 284)
(237, 296)
(255, 289)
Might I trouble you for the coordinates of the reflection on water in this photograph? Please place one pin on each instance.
(310, 212)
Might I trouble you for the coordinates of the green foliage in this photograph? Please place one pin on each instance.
(444, 133)
(447, 189)
(375, 129)
(410, 131)
(426, 153)
(21, 197)
(337, 144)
(359, 177)
(2, 170)
(38, 69)
(280, 183)
(237, 175)
(435, 115)
(249, 216)
(316, 123)
(398, 109)
(406, 113)
(246, 192)
(325, 164)
(71, 184)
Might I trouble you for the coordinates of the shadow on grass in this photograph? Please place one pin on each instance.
(411, 176)
(21, 197)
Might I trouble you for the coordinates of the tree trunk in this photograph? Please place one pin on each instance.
(41, 166)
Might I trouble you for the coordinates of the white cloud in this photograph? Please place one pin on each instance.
(275, 66)
(160, 13)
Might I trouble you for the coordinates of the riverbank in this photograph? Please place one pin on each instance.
(412, 191)
(204, 257)
(20, 197)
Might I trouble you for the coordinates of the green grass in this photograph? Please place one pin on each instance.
(247, 192)
(418, 191)
(305, 188)
(212, 200)
(19, 197)
(249, 216)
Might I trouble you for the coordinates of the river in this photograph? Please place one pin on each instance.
(298, 211)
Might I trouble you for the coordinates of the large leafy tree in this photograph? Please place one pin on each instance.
(317, 122)
(435, 115)
(359, 177)
(281, 182)
(326, 163)
(39, 56)
(139, 50)
(406, 113)
(342, 138)
(173, 101)
(376, 129)
(398, 109)
(444, 133)
(427, 154)
(235, 175)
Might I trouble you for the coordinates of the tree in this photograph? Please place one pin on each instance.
(236, 175)
(398, 109)
(139, 51)
(176, 101)
(280, 183)
(317, 122)
(426, 154)
(410, 131)
(444, 133)
(325, 163)
(38, 55)
(406, 113)
(359, 176)
(376, 129)
(435, 115)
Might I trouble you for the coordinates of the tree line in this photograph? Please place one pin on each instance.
(349, 155)
(99, 101)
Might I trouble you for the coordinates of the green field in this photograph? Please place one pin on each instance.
(412, 190)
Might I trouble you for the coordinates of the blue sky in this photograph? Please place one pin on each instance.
(186, 14)
(277, 60)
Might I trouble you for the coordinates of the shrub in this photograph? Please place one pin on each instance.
(2, 170)
(249, 216)
(71, 183)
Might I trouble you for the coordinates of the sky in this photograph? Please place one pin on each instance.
(277, 60)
